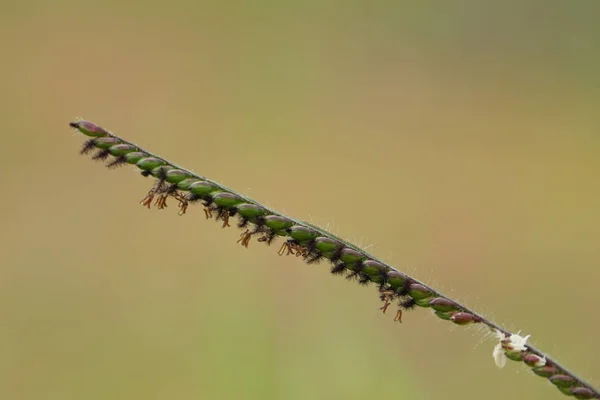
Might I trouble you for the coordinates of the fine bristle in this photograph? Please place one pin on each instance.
(356, 272)
(259, 227)
(336, 255)
(88, 146)
(161, 174)
(270, 237)
(242, 222)
(101, 155)
(382, 280)
(219, 213)
(352, 275)
(363, 279)
(338, 269)
(403, 290)
(117, 162)
(408, 304)
(314, 257)
(193, 198)
(171, 188)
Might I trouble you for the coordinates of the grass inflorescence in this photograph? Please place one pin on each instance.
(314, 244)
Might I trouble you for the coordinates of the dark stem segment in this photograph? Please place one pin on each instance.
(314, 244)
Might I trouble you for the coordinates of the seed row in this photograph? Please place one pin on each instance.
(311, 243)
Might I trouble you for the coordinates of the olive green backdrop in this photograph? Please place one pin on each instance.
(458, 139)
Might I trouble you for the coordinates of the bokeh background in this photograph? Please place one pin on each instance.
(458, 139)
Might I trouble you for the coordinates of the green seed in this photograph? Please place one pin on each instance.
(185, 184)
(177, 175)
(149, 163)
(375, 270)
(514, 356)
(531, 359)
(396, 279)
(202, 188)
(582, 393)
(445, 315)
(350, 256)
(545, 371)
(106, 142)
(122, 149)
(133, 158)
(327, 246)
(302, 234)
(277, 222)
(250, 211)
(442, 304)
(418, 291)
(89, 129)
(422, 302)
(227, 200)
(565, 390)
(161, 172)
(462, 318)
(561, 380)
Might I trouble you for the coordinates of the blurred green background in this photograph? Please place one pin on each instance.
(458, 138)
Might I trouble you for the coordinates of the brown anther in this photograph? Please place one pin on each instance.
(224, 216)
(398, 316)
(183, 205)
(386, 296)
(147, 201)
(178, 196)
(245, 237)
(385, 306)
(208, 212)
(161, 201)
(226, 221)
(300, 251)
(287, 248)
